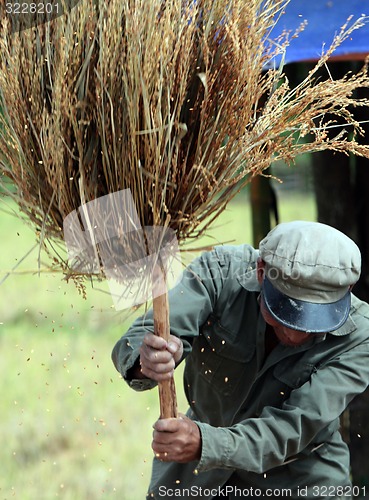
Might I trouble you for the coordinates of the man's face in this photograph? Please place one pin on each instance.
(285, 335)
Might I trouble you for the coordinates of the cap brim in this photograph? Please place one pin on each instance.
(305, 316)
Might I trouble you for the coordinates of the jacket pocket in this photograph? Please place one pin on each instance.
(294, 373)
(221, 361)
(225, 343)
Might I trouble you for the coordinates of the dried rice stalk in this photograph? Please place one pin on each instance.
(164, 99)
(168, 99)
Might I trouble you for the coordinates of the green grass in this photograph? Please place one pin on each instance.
(70, 427)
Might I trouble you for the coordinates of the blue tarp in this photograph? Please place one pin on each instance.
(325, 18)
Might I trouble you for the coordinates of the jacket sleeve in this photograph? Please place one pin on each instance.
(259, 444)
(190, 303)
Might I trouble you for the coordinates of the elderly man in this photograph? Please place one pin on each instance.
(275, 346)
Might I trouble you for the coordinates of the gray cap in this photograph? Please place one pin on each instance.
(309, 269)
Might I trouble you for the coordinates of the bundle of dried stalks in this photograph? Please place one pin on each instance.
(168, 99)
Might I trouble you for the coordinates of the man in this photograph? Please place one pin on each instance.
(276, 347)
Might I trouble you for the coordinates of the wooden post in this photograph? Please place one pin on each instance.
(167, 390)
(260, 207)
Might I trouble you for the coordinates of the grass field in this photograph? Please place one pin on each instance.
(70, 428)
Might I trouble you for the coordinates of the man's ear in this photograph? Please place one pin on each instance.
(260, 270)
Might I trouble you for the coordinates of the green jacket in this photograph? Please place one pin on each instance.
(265, 423)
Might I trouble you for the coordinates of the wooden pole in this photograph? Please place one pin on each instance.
(260, 207)
(167, 390)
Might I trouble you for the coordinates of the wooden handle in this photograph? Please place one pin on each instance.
(167, 390)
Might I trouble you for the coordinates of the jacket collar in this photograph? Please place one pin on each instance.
(248, 280)
(348, 327)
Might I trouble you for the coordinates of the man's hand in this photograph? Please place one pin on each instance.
(158, 358)
(176, 440)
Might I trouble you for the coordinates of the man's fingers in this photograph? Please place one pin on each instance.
(159, 368)
(162, 439)
(165, 438)
(154, 375)
(167, 425)
(158, 365)
(154, 341)
(154, 356)
(158, 358)
(174, 344)
(176, 439)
